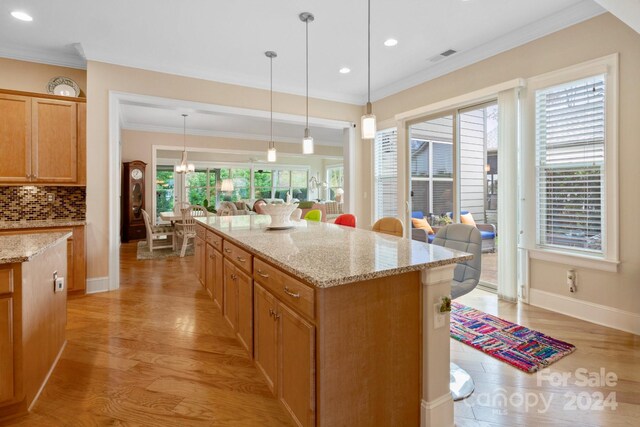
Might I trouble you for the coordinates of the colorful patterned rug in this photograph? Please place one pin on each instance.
(521, 347)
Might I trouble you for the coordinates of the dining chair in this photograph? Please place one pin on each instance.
(314, 215)
(158, 236)
(348, 220)
(389, 225)
(186, 229)
(199, 211)
(466, 238)
(178, 206)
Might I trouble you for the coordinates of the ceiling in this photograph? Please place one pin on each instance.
(225, 40)
(217, 121)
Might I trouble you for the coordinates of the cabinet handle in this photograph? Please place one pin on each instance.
(261, 274)
(271, 312)
(276, 316)
(227, 250)
(239, 258)
(215, 242)
(291, 294)
(234, 277)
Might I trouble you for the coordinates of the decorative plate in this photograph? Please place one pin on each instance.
(63, 86)
(280, 227)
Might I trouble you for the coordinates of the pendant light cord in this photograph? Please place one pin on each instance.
(271, 144)
(369, 51)
(307, 58)
(184, 132)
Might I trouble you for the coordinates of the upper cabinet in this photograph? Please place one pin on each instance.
(42, 139)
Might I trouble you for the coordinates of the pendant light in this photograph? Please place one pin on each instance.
(271, 152)
(307, 141)
(184, 166)
(369, 119)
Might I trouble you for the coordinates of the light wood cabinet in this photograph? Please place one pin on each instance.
(43, 138)
(54, 141)
(265, 332)
(218, 282)
(285, 353)
(244, 285)
(238, 303)
(230, 295)
(15, 138)
(199, 258)
(210, 270)
(7, 391)
(76, 281)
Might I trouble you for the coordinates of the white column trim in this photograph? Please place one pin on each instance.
(508, 139)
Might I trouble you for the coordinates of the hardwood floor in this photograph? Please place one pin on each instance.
(159, 353)
(155, 353)
(573, 404)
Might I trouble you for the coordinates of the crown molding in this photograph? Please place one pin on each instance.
(565, 18)
(43, 57)
(222, 77)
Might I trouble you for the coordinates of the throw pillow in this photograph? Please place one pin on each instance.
(468, 219)
(423, 224)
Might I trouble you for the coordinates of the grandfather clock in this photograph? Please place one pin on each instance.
(132, 201)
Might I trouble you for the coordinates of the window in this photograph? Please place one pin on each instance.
(197, 186)
(385, 170)
(299, 184)
(262, 184)
(570, 160)
(432, 166)
(165, 189)
(335, 181)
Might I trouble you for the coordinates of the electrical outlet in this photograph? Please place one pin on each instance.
(51, 197)
(58, 284)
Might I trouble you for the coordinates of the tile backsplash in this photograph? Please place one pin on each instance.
(30, 203)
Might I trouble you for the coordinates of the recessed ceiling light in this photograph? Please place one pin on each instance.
(21, 16)
(345, 70)
(390, 42)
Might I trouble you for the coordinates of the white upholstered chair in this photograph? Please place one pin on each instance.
(158, 236)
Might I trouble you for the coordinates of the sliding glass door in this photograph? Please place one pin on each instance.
(453, 162)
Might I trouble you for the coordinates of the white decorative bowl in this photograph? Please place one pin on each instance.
(280, 214)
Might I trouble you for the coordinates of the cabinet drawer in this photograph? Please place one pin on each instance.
(238, 256)
(290, 291)
(214, 240)
(201, 232)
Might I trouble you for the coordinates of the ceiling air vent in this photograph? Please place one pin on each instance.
(442, 55)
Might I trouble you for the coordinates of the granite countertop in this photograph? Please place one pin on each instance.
(14, 225)
(23, 247)
(328, 255)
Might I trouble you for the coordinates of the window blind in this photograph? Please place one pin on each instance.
(386, 173)
(570, 138)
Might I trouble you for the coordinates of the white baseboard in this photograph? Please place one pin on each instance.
(438, 412)
(97, 284)
(584, 310)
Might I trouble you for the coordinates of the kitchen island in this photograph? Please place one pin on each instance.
(343, 323)
(32, 315)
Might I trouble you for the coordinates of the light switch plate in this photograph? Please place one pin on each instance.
(58, 284)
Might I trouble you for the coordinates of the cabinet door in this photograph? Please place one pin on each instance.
(6, 349)
(15, 138)
(70, 258)
(218, 282)
(202, 263)
(245, 310)
(297, 366)
(199, 252)
(265, 330)
(230, 295)
(210, 270)
(54, 141)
